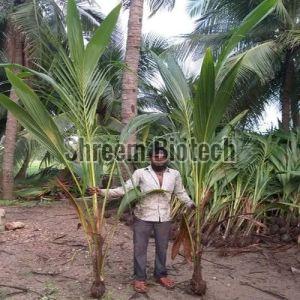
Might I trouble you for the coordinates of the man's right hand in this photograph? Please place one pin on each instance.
(94, 190)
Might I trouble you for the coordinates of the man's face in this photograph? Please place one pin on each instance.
(159, 159)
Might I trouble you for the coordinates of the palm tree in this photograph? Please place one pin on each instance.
(130, 86)
(24, 44)
(275, 57)
(15, 52)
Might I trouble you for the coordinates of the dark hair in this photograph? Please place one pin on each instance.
(156, 149)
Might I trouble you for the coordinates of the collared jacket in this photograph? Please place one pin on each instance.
(155, 207)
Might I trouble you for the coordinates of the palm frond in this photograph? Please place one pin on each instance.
(37, 19)
(291, 38)
(151, 43)
(195, 7)
(138, 123)
(249, 22)
(260, 61)
(92, 17)
(156, 5)
(174, 81)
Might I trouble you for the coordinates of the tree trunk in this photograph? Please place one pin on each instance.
(132, 58)
(295, 112)
(14, 48)
(287, 87)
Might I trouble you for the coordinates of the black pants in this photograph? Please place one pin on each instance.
(141, 234)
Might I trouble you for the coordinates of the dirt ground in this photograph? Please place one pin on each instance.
(48, 259)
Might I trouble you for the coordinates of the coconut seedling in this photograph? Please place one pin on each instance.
(251, 188)
(197, 115)
(285, 161)
(79, 84)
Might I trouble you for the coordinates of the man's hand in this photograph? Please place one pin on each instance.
(94, 190)
(192, 207)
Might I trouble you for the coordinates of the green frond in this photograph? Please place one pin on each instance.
(138, 123)
(249, 22)
(259, 60)
(156, 5)
(174, 81)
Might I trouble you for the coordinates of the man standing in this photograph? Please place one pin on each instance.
(153, 213)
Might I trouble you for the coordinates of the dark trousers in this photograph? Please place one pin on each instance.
(141, 234)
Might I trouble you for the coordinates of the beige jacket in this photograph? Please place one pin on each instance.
(155, 207)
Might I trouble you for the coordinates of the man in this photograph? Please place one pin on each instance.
(152, 213)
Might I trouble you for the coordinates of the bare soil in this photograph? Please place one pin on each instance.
(48, 259)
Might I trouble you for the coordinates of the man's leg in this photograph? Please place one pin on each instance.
(141, 234)
(161, 233)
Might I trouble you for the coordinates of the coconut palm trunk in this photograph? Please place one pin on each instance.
(295, 112)
(14, 49)
(132, 58)
(287, 87)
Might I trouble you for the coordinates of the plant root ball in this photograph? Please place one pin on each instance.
(198, 287)
(97, 289)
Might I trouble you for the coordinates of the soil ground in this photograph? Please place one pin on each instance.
(49, 260)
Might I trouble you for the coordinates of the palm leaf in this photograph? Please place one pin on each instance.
(223, 96)
(129, 199)
(80, 212)
(250, 21)
(205, 96)
(174, 80)
(100, 40)
(133, 196)
(42, 134)
(183, 238)
(156, 5)
(138, 123)
(74, 33)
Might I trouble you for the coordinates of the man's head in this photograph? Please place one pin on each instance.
(159, 158)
